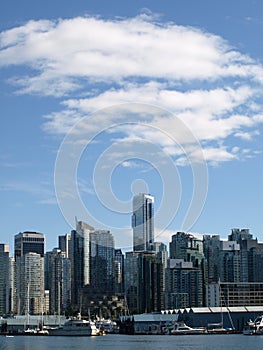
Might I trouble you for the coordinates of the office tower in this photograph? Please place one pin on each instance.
(58, 280)
(80, 260)
(29, 260)
(119, 271)
(31, 284)
(184, 287)
(64, 244)
(211, 252)
(143, 282)
(143, 222)
(4, 279)
(102, 255)
(29, 242)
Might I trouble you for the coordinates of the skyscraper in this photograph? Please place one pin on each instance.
(4, 280)
(29, 242)
(143, 282)
(119, 271)
(31, 284)
(143, 222)
(80, 259)
(102, 254)
(58, 280)
(29, 261)
(64, 244)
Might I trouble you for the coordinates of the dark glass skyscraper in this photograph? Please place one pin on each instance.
(143, 222)
(29, 242)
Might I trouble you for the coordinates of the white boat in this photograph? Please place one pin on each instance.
(217, 328)
(76, 327)
(182, 328)
(106, 326)
(254, 327)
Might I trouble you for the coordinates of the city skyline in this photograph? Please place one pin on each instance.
(197, 67)
(189, 276)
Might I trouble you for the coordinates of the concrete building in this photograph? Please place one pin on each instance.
(29, 266)
(241, 293)
(12, 285)
(31, 284)
(187, 247)
(184, 287)
(143, 222)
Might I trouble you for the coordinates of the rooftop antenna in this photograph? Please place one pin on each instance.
(76, 221)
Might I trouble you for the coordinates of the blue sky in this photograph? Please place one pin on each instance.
(150, 95)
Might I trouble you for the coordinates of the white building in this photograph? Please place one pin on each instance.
(30, 286)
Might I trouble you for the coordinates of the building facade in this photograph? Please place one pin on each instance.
(4, 279)
(80, 260)
(29, 242)
(31, 284)
(143, 282)
(58, 281)
(119, 271)
(64, 244)
(102, 255)
(143, 222)
(184, 287)
(29, 272)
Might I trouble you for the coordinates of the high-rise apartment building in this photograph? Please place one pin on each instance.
(187, 247)
(4, 279)
(229, 262)
(184, 285)
(30, 285)
(212, 246)
(12, 285)
(143, 222)
(58, 280)
(29, 265)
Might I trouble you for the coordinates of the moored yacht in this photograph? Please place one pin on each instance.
(182, 328)
(76, 327)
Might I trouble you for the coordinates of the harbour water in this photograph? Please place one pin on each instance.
(134, 342)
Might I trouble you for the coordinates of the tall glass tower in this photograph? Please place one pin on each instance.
(142, 222)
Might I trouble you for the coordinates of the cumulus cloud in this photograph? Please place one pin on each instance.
(92, 63)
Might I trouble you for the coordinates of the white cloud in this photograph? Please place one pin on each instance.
(113, 50)
(97, 63)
